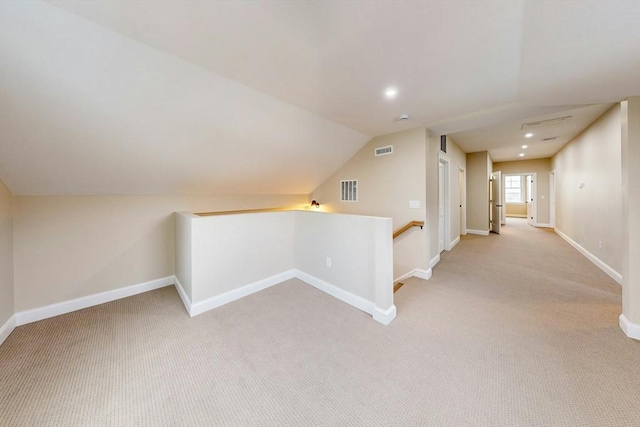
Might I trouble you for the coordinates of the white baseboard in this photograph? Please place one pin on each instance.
(40, 313)
(7, 328)
(227, 297)
(541, 225)
(336, 292)
(478, 232)
(591, 257)
(183, 296)
(434, 261)
(416, 272)
(193, 309)
(422, 274)
(384, 316)
(632, 330)
(454, 243)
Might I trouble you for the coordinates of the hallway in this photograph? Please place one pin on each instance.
(531, 327)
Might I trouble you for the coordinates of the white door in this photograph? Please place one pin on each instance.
(529, 199)
(441, 179)
(496, 201)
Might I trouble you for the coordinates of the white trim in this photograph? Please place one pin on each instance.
(478, 232)
(446, 199)
(455, 242)
(336, 292)
(235, 294)
(540, 225)
(591, 257)
(183, 296)
(7, 328)
(52, 310)
(632, 330)
(462, 199)
(434, 261)
(384, 316)
(416, 272)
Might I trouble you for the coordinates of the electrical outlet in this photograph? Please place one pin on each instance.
(328, 262)
(600, 245)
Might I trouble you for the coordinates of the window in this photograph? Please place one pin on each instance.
(513, 189)
(349, 191)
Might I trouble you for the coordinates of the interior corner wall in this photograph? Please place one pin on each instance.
(7, 308)
(478, 172)
(591, 214)
(386, 184)
(542, 168)
(67, 247)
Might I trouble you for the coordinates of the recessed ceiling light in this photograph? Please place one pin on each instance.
(529, 135)
(391, 92)
(524, 146)
(521, 154)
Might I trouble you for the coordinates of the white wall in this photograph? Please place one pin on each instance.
(6, 254)
(234, 255)
(70, 247)
(386, 185)
(350, 241)
(184, 249)
(591, 214)
(230, 251)
(630, 319)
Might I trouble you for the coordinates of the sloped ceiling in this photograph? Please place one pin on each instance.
(137, 97)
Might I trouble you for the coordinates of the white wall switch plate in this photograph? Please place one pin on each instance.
(414, 204)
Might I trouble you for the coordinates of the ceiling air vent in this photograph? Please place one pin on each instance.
(383, 151)
(552, 138)
(556, 121)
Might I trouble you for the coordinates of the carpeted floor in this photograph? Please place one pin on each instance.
(512, 330)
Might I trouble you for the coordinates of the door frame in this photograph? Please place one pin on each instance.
(552, 198)
(445, 200)
(534, 202)
(496, 176)
(462, 183)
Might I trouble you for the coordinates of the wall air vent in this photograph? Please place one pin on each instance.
(349, 190)
(383, 151)
(556, 121)
(552, 138)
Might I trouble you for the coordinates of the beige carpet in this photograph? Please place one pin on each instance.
(512, 330)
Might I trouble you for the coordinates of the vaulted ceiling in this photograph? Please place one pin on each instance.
(139, 97)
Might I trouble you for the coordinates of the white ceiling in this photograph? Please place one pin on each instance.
(504, 142)
(272, 97)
